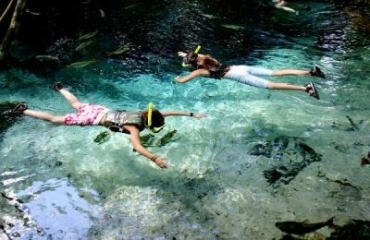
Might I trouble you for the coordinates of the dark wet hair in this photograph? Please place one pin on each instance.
(191, 58)
(157, 118)
(211, 63)
(208, 62)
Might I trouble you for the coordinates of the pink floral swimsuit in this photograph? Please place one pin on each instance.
(87, 114)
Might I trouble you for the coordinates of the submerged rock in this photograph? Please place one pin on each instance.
(289, 155)
(351, 229)
(356, 229)
(7, 117)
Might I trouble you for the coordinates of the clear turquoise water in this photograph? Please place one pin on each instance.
(214, 187)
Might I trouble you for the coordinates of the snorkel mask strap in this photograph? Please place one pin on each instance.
(184, 64)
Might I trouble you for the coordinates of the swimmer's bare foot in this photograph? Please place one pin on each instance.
(57, 86)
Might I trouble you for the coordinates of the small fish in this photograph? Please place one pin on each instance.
(32, 13)
(102, 137)
(118, 51)
(46, 58)
(87, 36)
(302, 227)
(365, 160)
(81, 64)
(166, 138)
(147, 139)
(233, 27)
(354, 126)
(132, 6)
(83, 45)
(209, 16)
(102, 13)
(344, 182)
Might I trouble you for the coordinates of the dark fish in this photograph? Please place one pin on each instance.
(83, 45)
(302, 227)
(87, 36)
(81, 64)
(166, 138)
(118, 51)
(47, 58)
(364, 161)
(354, 126)
(147, 139)
(102, 137)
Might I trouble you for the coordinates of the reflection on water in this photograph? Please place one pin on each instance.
(51, 209)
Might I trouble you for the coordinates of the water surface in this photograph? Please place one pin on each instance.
(72, 188)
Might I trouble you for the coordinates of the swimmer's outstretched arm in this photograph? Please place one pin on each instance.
(193, 74)
(136, 143)
(186, 114)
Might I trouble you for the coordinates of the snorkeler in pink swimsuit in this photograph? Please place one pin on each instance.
(130, 122)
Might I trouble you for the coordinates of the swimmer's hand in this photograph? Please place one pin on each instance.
(160, 162)
(178, 79)
(199, 115)
(181, 54)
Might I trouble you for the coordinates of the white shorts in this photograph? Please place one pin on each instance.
(246, 75)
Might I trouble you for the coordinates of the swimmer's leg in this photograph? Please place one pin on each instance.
(284, 86)
(44, 116)
(284, 72)
(72, 99)
(315, 71)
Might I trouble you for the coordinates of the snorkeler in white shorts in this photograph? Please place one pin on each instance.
(206, 65)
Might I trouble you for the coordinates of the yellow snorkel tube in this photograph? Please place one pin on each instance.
(195, 51)
(150, 116)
